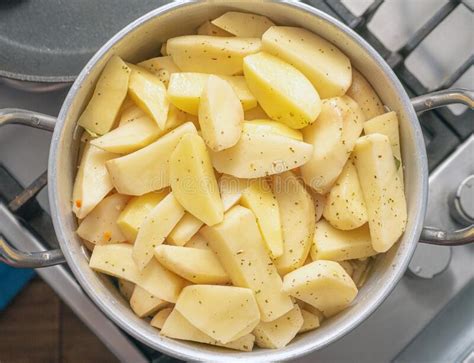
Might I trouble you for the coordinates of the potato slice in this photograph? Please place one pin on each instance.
(154, 229)
(243, 24)
(100, 225)
(260, 154)
(162, 67)
(126, 288)
(259, 198)
(284, 93)
(222, 312)
(149, 93)
(326, 67)
(115, 260)
(130, 114)
(279, 332)
(92, 181)
(269, 126)
(345, 206)
(198, 241)
(208, 28)
(178, 327)
(209, 54)
(186, 228)
(193, 181)
(193, 264)
(362, 92)
(231, 189)
(160, 317)
(310, 321)
(135, 212)
(333, 244)
(255, 113)
(220, 114)
(319, 203)
(147, 169)
(322, 284)
(109, 93)
(145, 304)
(382, 189)
(297, 221)
(163, 50)
(239, 246)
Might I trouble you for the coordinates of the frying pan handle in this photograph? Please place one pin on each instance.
(431, 235)
(9, 254)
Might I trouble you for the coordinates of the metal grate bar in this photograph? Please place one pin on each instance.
(369, 13)
(28, 194)
(458, 73)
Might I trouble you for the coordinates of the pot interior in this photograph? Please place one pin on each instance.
(141, 40)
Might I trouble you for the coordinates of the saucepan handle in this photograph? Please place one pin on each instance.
(9, 254)
(432, 235)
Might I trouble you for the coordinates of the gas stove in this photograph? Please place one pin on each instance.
(429, 315)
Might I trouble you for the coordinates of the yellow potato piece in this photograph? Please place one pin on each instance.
(145, 304)
(363, 93)
(326, 67)
(222, 312)
(333, 244)
(208, 28)
(160, 317)
(130, 114)
(231, 189)
(310, 321)
(154, 229)
(255, 113)
(198, 241)
(239, 246)
(162, 67)
(322, 284)
(147, 169)
(269, 126)
(279, 332)
(186, 228)
(345, 206)
(135, 212)
(297, 221)
(109, 93)
(211, 54)
(193, 181)
(126, 288)
(92, 181)
(282, 91)
(100, 225)
(243, 24)
(196, 265)
(259, 198)
(220, 114)
(319, 203)
(382, 189)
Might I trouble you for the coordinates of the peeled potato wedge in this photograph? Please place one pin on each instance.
(145, 304)
(273, 127)
(255, 113)
(198, 241)
(362, 92)
(310, 321)
(326, 67)
(160, 317)
(187, 227)
(282, 91)
(231, 189)
(243, 24)
(208, 28)
(131, 113)
(162, 67)
(126, 288)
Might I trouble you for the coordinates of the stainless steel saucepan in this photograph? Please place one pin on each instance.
(141, 39)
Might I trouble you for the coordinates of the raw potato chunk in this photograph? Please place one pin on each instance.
(222, 312)
(147, 169)
(319, 203)
(130, 114)
(258, 197)
(162, 67)
(259, 154)
(256, 113)
(284, 93)
(383, 190)
(209, 54)
(363, 93)
(126, 288)
(159, 319)
(345, 206)
(297, 221)
(243, 24)
(231, 189)
(326, 67)
(268, 126)
(109, 93)
(145, 304)
(336, 245)
(193, 181)
(187, 227)
(92, 181)
(115, 260)
(135, 212)
(196, 265)
(149, 93)
(154, 229)
(322, 284)
(239, 246)
(278, 333)
(220, 114)
(310, 321)
(208, 28)
(178, 327)
(100, 225)
(198, 241)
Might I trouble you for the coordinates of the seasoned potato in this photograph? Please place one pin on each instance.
(382, 189)
(208, 28)
(109, 93)
(210, 54)
(225, 313)
(131, 113)
(147, 169)
(310, 321)
(126, 288)
(100, 225)
(284, 93)
(362, 92)
(319, 203)
(231, 189)
(273, 127)
(239, 246)
(198, 241)
(145, 304)
(326, 67)
(160, 317)
(220, 114)
(186, 228)
(345, 206)
(162, 67)
(243, 24)
(115, 260)
(193, 181)
(333, 244)
(322, 284)
(255, 113)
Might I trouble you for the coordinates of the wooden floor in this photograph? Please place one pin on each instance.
(37, 327)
